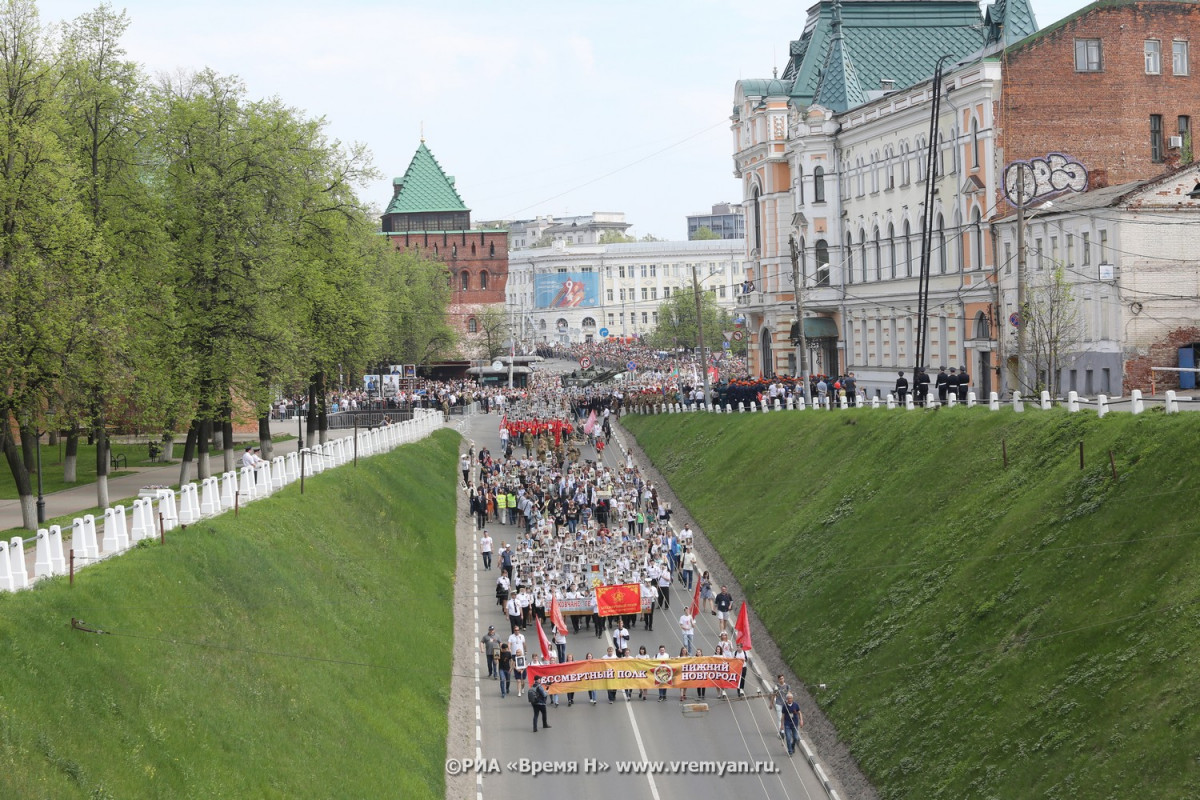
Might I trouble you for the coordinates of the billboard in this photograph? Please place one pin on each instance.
(567, 290)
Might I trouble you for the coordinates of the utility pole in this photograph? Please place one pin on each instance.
(1022, 317)
(700, 337)
(801, 342)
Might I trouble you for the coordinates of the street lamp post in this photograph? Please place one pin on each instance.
(700, 337)
(800, 343)
(41, 500)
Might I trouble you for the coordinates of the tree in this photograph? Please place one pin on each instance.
(705, 233)
(1055, 327)
(677, 321)
(615, 237)
(492, 326)
(45, 243)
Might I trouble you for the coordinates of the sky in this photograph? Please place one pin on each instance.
(534, 107)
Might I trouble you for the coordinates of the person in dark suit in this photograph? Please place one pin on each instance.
(942, 384)
(952, 384)
(922, 385)
(901, 388)
(964, 383)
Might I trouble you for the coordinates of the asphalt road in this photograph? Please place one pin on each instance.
(634, 731)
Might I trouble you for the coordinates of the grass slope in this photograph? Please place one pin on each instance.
(984, 632)
(302, 650)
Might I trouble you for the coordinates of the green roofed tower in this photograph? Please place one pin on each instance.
(425, 199)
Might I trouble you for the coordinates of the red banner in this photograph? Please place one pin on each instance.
(638, 673)
(622, 598)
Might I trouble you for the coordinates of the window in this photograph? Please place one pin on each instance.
(466, 280)
(891, 250)
(974, 144)
(821, 251)
(1070, 249)
(621, 272)
(849, 258)
(757, 223)
(610, 319)
(653, 270)
(1153, 52)
(941, 244)
(610, 295)
(1185, 127)
(1008, 258)
(1179, 58)
(1088, 56)
(1041, 261)
(977, 231)
(666, 292)
(877, 255)
(1054, 250)
(654, 293)
(1156, 138)
(483, 279)
(645, 293)
(472, 326)
(622, 295)
(1103, 247)
(643, 270)
(907, 250)
(799, 186)
(645, 317)
(1086, 247)
(818, 185)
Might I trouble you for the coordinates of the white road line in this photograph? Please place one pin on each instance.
(637, 735)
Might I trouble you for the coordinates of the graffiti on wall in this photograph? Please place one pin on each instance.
(1040, 179)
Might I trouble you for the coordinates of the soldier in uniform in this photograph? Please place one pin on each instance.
(942, 384)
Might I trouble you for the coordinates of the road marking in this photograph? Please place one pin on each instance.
(637, 735)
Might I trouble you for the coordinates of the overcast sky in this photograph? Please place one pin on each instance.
(534, 107)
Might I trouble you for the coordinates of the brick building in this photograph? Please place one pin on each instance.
(426, 215)
(1111, 84)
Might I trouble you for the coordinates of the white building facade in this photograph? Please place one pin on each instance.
(568, 293)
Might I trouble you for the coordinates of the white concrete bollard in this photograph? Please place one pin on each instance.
(993, 401)
(1044, 402)
(1072, 401)
(41, 563)
(264, 479)
(246, 486)
(6, 580)
(278, 473)
(308, 463)
(1101, 405)
(790, 403)
(167, 510)
(138, 532)
(891, 401)
(741, 407)
(186, 516)
(111, 543)
(875, 402)
(778, 407)
(58, 561)
(971, 400)
(16, 561)
(81, 543)
(1172, 406)
(843, 401)
(210, 497)
(909, 403)
(800, 404)
(1136, 401)
(293, 467)
(930, 400)
(952, 399)
(1018, 404)
(229, 488)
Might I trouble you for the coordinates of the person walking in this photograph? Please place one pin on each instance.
(687, 627)
(537, 698)
(485, 550)
(724, 606)
(487, 646)
(504, 667)
(942, 384)
(793, 721)
(662, 655)
(901, 388)
(706, 593)
(777, 698)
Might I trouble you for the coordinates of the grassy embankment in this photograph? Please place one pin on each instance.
(984, 632)
(274, 655)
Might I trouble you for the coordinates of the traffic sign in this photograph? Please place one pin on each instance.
(726, 345)
(585, 363)
(739, 335)
(727, 334)
(631, 366)
(1014, 319)
(604, 331)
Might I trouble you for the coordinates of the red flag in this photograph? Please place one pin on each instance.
(695, 609)
(556, 616)
(621, 598)
(542, 642)
(503, 421)
(741, 631)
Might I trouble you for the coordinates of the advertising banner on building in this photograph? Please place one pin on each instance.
(638, 673)
(567, 290)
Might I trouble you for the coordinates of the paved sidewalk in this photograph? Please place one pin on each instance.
(125, 488)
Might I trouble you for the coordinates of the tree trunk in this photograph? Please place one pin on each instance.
(99, 434)
(71, 462)
(29, 445)
(264, 436)
(322, 410)
(310, 421)
(227, 435)
(12, 454)
(203, 442)
(189, 452)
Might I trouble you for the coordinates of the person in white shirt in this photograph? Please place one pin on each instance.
(662, 655)
(687, 626)
(612, 693)
(621, 638)
(513, 608)
(248, 458)
(485, 549)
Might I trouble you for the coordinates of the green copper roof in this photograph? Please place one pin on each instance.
(897, 40)
(1009, 21)
(839, 88)
(424, 187)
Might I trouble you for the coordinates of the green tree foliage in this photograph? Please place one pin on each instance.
(677, 320)
(615, 237)
(705, 233)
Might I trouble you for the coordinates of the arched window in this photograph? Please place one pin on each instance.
(466, 280)
(907, 250)
(472, 326)
(877, 257)
(821, 256)
(483, 279)
(757, 223)
(849, 258)
(940, 244)
(802, 261)
(541, 324)
(977, 233)
(974, 143)
(799, 185)
(588, 322)
(492, 250)
(983, 329)
(959, 243)
(454, 251)
(891, 250)
(818, 185)
(922, 152)
(472, 248)
(862, 252)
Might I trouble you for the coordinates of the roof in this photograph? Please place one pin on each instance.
(1009, 21)
(424, 187)
(897, 40)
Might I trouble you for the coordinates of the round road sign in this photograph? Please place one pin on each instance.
(737, 336)
(1014, 319)
(585, 363)
(631, 366)
(604, 331)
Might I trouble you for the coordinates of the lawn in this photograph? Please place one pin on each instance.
(270, 655)
(983, 631)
